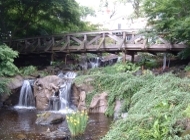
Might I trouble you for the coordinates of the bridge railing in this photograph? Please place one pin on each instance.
(98, 41)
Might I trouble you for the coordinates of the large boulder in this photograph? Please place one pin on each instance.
(79, 94)
(44, 88)
(99, 103)
(82, 103)
(15, 82)
(47, 118)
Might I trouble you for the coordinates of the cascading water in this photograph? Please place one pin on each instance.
(26, 99)
(95, 63)
(61, 102)
(65, 90)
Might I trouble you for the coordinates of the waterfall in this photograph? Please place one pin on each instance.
(61, 101)
(54, 103)
(64, 95)
(65, 90)
(95, 63)
(26, 99)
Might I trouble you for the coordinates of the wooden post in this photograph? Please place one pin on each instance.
(132, 57)
(66, 59)
(124, 56)
(52, 59)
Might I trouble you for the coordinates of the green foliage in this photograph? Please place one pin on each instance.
(126, 67)
(77, 122)
(184, 54)
(3, 86)
(170, 18)
(148, 60)
(28, 70)
(173, 22)
(7, 55)
(187, 68)
(155, 105)
(39, 17)
(158, 131)
(187, 111)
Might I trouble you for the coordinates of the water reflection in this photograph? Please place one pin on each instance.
(20, 124)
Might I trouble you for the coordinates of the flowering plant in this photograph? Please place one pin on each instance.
(77, 122)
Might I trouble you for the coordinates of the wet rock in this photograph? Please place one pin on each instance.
(183, 124)
(82, 104)
(49, 118)
(44, 88)
(79, 94)
(16, 82)
(75, 95)
(57, 134)
(99, 103)
(117, 109)
(14, 85)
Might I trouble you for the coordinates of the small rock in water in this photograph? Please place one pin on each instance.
(21, 136)
(48, 130)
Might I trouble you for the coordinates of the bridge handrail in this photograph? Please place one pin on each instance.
(128, 31)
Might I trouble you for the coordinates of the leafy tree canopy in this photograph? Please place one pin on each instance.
(24, 18)
(171, 17)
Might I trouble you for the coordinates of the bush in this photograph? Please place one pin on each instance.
(7, 55)
(7, 68)
(3, 86)
(187, 68)
(28, 70)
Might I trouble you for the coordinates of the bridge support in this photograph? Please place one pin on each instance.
(132, 57)
(124, 57)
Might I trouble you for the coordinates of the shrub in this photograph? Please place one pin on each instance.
(187, 68)
(3, 86)
(7, 55)
(28, 70)
(126, 67)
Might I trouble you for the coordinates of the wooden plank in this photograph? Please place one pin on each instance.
(102, 42)
(114, 37)
(94, 39)
(123, 41)
(49, 45)
(144, 43)
(76, 39)
(83, 44)
(60, 41)
(66, 44)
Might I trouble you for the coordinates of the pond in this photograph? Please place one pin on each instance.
(20, 124)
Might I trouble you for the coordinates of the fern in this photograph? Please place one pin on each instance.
(7, 55)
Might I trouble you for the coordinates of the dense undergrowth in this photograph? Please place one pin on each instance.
(154, 103)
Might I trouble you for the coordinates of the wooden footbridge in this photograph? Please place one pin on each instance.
(127, 41)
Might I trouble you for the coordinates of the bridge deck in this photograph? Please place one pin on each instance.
(93, 42)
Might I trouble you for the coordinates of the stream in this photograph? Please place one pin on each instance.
(20, 124)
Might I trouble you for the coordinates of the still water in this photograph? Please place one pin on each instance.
(20, 124)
